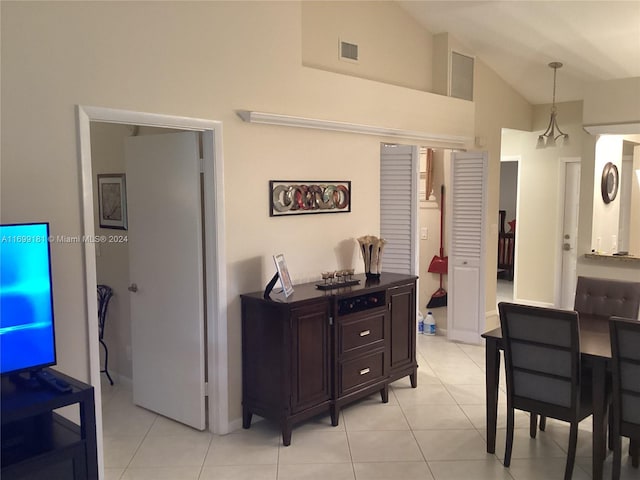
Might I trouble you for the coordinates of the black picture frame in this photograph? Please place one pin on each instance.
(112, 201)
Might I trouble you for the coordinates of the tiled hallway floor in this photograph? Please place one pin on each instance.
(436, 431)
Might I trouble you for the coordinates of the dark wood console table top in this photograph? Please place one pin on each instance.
(308, 292)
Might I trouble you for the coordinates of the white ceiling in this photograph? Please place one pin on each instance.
(595, 40)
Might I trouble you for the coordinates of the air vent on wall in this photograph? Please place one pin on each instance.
(348, 51)
(461, 76)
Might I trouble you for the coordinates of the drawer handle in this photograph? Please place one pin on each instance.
(364, 333)
(364, 371)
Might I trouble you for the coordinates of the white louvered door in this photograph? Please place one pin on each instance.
(399, 207)
(467, 200)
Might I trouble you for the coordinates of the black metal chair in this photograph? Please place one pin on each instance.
(625, 352)
(104, 295)
(543, 372)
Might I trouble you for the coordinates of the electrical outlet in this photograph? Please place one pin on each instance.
(423, 233)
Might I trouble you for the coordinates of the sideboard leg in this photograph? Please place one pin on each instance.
(384, 393)
(335, 415)
(414, 378)
(246, 417)
(286, 433)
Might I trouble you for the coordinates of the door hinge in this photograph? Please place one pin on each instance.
(389, 305)
(201, 163)
(330, 320)
(206, 389)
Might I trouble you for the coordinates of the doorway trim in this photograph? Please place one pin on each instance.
(215, 258)
(562, 179)
(517, 159)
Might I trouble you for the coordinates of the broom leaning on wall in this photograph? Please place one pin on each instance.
(439, 263)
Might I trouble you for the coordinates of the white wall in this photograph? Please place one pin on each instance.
(606, 216)
(392, 46)
(205, 60)
(612, 102)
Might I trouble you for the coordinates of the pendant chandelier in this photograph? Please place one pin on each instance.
(553, 132)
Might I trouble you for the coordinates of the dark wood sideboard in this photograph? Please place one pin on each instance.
(318, 351)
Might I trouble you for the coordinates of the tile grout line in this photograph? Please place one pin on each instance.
(205, 456)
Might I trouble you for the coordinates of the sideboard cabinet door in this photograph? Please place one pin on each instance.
(402, 324)
(311, 356)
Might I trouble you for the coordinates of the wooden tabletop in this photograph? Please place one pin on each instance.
(594, 336)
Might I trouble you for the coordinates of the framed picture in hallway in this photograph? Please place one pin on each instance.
(112, 200)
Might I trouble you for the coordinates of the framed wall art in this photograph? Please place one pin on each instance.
(295, 197)
(112, 200)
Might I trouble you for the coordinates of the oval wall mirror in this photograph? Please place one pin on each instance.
(609, 182)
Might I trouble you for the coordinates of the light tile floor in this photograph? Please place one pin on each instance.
(436, 431)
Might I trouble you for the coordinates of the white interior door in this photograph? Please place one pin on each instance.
(165, 264)
(570, 234)
(467, 219)
(399, 207)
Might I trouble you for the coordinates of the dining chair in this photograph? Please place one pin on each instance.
(104, 296)
(543, 371)
(603, 297)
(606, 298)
(625, 359)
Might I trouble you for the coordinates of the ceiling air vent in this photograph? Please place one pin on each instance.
(348, 51)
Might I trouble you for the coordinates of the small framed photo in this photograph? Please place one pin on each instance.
(283, 273)
(112, 200)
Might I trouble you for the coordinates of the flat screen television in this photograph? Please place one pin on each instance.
(27, 335)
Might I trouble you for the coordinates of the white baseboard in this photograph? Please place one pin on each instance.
(236, 424)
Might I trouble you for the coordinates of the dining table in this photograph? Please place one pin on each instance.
(595, 355)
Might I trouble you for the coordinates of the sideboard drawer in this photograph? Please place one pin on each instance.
(361, 332)
(360, 371)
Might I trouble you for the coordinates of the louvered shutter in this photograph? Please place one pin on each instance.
(466, 297)
(398, 207)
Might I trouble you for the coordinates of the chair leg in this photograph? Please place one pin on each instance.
(617, 454)
(543, 423)
(509, 441)
(571, 454)
(106, 361)
(610, 444)
(634, 451)
(533, 425)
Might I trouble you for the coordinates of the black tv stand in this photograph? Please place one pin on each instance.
(37, 443)
(26, 380)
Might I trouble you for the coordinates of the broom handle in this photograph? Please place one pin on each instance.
(441, 223)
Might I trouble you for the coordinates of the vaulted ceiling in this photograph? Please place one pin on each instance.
(595, 40)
